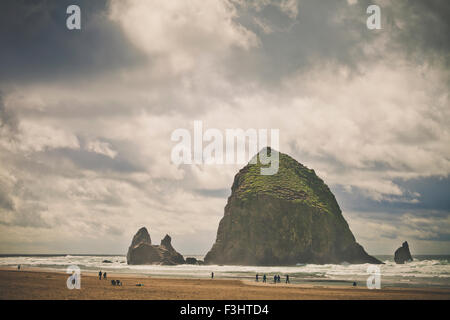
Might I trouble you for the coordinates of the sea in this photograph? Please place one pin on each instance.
(423, 271)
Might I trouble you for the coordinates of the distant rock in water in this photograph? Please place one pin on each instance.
(402, 254)
(142, 251)
(283, 219)
(107, 261)
(195, 261)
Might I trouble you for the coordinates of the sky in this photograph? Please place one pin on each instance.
(86, 116)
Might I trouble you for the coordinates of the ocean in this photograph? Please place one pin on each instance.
(424, 271)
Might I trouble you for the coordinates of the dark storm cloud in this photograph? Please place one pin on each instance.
(421, 29)
(335, 32)
(316, 34)
(434, 192)
(36, 44)
(423, 209)
(430, 193)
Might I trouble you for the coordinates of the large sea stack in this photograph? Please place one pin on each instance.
(283, 219)
(142, 251)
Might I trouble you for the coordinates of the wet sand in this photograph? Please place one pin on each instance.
(16, 284)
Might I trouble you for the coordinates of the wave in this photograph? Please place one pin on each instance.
(434, 271)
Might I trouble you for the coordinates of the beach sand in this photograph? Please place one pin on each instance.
(16, 284)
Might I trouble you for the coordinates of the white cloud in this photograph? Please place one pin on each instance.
(289, 7)
(37, 137)
(184, 33)
(101, 148)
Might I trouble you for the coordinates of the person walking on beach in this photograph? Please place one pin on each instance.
(287, 278)
(264, 278)
(279, 278)
(18, 267)
(275, 279)
(100, 275)
(257, 278)
(212, 275)
(104, 275)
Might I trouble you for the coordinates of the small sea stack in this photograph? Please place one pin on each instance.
(141, 250)
(403, 254)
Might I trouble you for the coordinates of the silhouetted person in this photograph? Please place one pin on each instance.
(104, 276)
(257, 278)
(275, 279)
(100, 275)
(279, 279)
(212, 275)
(18, 267)
(287, 278)
(354, 284)
(264, 278)
(113, 282)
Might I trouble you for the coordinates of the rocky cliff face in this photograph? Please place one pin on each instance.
(402, 254)
(284, 219)
(142, 251)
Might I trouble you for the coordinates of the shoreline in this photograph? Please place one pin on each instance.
(48, 285)
(249, 279)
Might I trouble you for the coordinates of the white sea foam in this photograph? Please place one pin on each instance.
(418, 272)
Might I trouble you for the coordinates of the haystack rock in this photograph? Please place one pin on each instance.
(283, 219)
(402, 254)
(142, 251)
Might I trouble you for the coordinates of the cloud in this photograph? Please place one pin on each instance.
(103, 148)
(8, 120)
(430, 43)
(85, 130)
(6, 201)
(37, 46)
(384, 233)
(290, 7)
(182, 35)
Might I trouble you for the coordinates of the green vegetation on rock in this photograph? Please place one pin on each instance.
(293, 182)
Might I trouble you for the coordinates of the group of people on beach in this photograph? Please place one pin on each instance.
(276, 278)
(100, 275)
(105, 276)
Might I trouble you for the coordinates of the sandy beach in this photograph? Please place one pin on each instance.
(51, 285)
